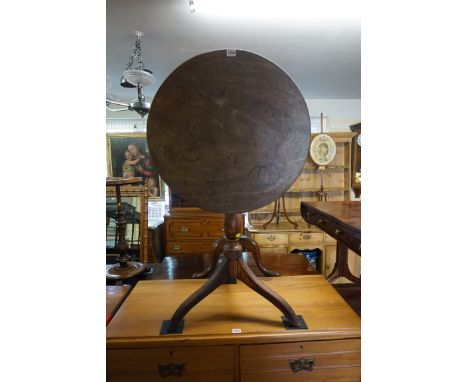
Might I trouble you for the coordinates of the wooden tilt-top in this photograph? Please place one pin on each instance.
(229, 132)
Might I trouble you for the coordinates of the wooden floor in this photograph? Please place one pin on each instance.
(287, 264)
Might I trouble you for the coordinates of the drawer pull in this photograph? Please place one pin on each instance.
(297, 365)
(307, 236)
(337, 231)
(176, 247)
(171, 369)
(184, 229)
(221, 229)
(271, 238)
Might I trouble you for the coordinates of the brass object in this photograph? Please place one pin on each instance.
(171, 369)
(337, 231)
(271, 238)
(299, 364)
(176, 247)
(307, 236)
(184, 229)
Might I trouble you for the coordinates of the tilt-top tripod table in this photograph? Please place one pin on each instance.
(229, 132)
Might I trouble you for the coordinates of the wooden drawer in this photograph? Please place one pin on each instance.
(180, 229)
(274, 249)
(306, 237)
(271, 238)
(184, 247)
(338, 360)
(208, 363)
(214, 228)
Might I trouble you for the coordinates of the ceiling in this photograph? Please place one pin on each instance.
(323, 56)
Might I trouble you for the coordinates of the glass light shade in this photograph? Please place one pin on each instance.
(138, 77)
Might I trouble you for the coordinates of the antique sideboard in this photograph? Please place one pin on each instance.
(234, 334)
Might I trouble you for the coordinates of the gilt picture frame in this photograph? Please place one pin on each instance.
(128, 156)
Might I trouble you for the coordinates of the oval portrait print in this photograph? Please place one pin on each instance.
(323, 149)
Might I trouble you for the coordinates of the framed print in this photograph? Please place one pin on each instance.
(128, 156)
(323, 149)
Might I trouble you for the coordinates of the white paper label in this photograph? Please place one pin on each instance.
(236, 331)
(230, 52)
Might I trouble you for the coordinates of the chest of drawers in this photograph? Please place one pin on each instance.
(260, 350)
(191, 230)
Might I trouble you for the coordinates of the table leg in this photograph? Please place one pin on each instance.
(341, 268)
(217, 248)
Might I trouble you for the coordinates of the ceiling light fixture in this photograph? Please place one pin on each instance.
(192, 6)
(135, 75)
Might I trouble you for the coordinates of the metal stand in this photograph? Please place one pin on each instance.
(226, 270)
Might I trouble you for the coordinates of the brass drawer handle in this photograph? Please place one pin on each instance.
(299, 364)
(221, 229)
(271, 238)
(307, 236)
(337, 231)
(171, 369)
(176, 247)
(184, 229)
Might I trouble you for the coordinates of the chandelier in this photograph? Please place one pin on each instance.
(134, 76)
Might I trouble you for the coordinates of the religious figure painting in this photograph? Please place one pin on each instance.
(128, 156)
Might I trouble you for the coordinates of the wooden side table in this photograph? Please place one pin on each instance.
(342, 221)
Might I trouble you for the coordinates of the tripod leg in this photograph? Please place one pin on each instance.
(286, 215)
(272, 216)
(254, 283)
(217, 248)
(251, 246)
(219, 277)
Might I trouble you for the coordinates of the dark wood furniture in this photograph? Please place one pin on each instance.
(157, 241)
(356, 159)
(229, 132)
(115, 296)
(342, 221)
(234, 335)
(124, 268)
(184, 266)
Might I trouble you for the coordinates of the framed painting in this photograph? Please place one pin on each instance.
(128, 156)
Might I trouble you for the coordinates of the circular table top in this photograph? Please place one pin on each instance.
(133, 269)
(229, 131)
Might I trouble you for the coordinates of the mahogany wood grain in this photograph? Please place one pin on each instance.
(184, 266)
(339, 219)
(229, 134)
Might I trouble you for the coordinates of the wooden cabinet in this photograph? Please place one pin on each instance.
(192, 230)
(284, 239)
(208, 350)
(337, 184)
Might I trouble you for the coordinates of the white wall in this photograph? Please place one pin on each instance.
(338, 114)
